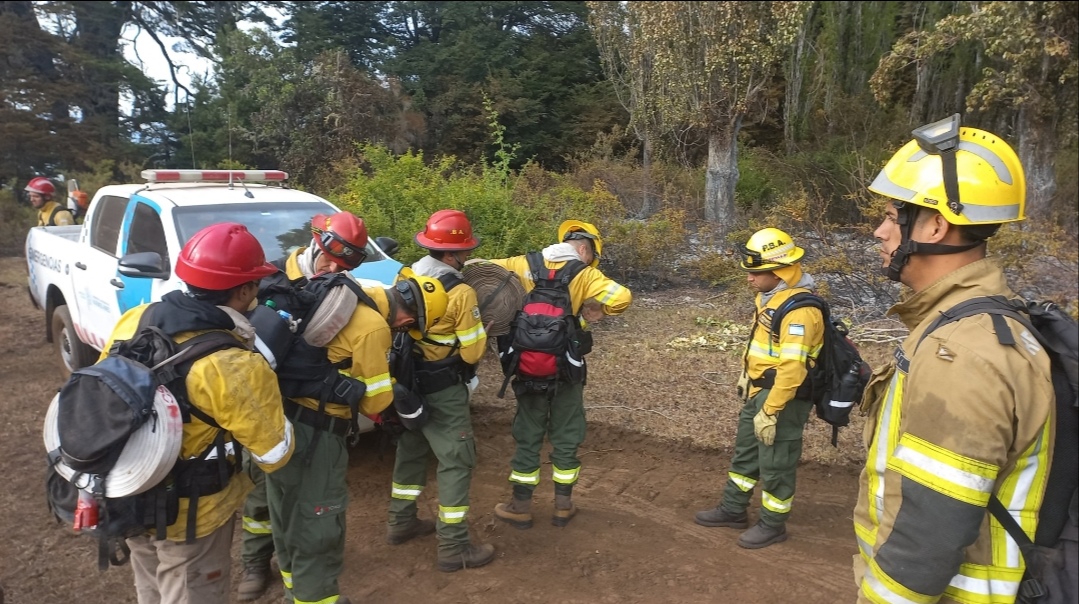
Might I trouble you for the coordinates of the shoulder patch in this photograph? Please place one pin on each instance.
(1030, 343)
(476, 313)
(796, 329)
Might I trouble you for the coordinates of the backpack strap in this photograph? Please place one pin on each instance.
(450, 281)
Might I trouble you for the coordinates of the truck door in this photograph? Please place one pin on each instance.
(143, 232)
(94, 277)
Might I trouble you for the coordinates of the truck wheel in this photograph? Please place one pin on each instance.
(71, 350)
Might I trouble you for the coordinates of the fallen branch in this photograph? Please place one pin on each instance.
(629, 409)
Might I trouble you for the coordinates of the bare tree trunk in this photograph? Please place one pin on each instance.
(646, 168)
(722, 174)
(1037, 150)
(791, 114)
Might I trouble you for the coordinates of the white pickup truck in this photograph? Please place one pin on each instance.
(85, 277)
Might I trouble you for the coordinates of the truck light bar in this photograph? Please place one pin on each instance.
(214, 175)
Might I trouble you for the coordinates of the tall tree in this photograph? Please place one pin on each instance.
(712, 65)
(1030, 68)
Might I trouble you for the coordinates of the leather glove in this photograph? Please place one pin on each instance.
(764, 427)
(743, 386)
(473, 384)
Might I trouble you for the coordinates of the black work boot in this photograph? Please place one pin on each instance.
(398, 534)
(253, 582)
(564, 509)
(762, 535)
(518, 512)
(721, 517)
(471, 556)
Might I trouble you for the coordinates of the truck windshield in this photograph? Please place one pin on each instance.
(280, 227)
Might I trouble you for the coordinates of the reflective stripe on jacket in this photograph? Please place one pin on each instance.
(961, 419)
(799, 338)
(237, 388)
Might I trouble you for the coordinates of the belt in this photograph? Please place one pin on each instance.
(319, 421)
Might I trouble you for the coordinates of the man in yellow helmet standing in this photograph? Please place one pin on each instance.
(553, 405)
(956, 418)
(770, 425)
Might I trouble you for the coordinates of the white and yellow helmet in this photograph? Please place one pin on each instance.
(991, 184)
(769, 249)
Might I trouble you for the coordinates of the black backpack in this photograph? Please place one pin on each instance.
(546, 342)
(838, 376)
(1053, 556)
(102, 405)
(304, 370)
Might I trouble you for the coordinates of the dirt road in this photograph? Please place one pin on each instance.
(633, 541)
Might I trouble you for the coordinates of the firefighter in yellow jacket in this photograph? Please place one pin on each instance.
(555, 407)
(221, 265)
(338, 243)
(445, 364)
(959, 417)
(309, 496)
(770, 425)
(49, 212)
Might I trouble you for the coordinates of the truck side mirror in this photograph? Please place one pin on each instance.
(145, 265)
(388, 245)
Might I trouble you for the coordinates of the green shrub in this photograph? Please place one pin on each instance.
(16, 218)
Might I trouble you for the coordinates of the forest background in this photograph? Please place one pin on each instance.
(677, 127)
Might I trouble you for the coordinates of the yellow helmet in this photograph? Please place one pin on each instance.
(769, 249)
(576, 229)
(425, 296)
(990, 187)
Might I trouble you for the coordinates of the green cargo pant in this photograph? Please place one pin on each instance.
(307, 511)
(256, 546)
(561, 419)
(447, 434)
(773, 466)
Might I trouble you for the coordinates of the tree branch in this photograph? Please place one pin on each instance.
(165, 53)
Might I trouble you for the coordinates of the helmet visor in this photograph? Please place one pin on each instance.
(339, 248)
(752, 260)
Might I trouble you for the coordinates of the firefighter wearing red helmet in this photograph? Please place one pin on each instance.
(445, 362)
(338, 243)
(235, 387)
(40, 190)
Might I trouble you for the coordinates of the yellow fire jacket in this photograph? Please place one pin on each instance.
(366, 340)
(588, 284)
(459, 331)
(959, 419)
(63, 216)
(238, 389)
(799, 338)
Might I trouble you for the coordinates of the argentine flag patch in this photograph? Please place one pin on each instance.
(796, 329)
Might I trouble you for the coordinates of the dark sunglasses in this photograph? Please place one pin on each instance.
(339, 248)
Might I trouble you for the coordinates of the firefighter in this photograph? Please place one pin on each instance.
(445, 365)
(49, 213)
(309, 496)
(769, 438)
(337, 244)
(221, 266)
(557, 411)
(961, 417)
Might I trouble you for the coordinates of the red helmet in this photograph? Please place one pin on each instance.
(342, 237)
(447, 231)
(222, 256)
(41, 186)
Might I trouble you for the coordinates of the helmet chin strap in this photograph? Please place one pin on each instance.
(907, 214)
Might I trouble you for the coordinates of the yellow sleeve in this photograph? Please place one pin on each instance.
(366, 339)
(800, 337)
(64, 218)
(591, 283)
(519, 266)
(124, 329)
(468, 324)
(238, 389)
